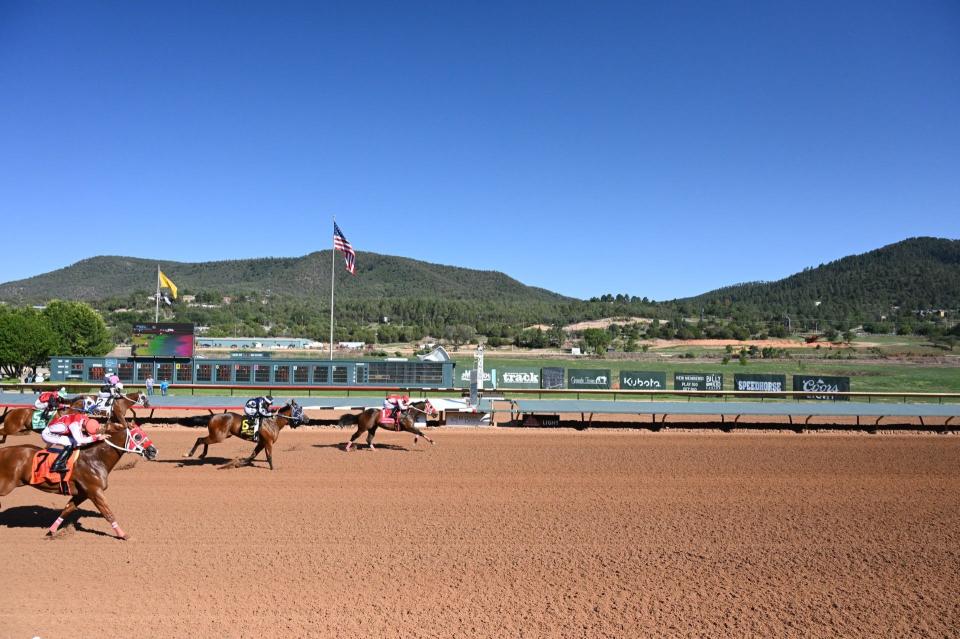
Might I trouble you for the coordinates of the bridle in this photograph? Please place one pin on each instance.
(295, 418)
(421, 410)
(140, 443)
(139, 401)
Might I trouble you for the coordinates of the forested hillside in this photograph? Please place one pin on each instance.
(393, 299)
(916, 274)
(378, 276)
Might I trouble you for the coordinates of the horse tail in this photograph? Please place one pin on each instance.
(348, 419)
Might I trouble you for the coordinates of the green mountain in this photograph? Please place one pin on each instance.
(290, 296)
(378, 276)
(919, 273)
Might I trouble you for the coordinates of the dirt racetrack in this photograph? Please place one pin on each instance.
(504, 533)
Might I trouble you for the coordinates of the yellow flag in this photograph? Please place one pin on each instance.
(165, 282)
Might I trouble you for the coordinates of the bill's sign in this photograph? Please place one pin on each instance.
(698, 381)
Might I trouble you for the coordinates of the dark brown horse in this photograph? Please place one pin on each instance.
(369, 421)
(225, 425)
(119, 407)
(90, 473)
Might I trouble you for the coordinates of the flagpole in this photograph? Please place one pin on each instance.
(156, 313)
(333, 270)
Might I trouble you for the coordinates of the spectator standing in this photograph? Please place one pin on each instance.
(164, 385)
(149, 384)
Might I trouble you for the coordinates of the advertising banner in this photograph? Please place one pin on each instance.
(642, 380)
(551, 377)
(462, 378)
(763, 383)
(821, 384)
(584, 378)
(698, 381)
(518, 377)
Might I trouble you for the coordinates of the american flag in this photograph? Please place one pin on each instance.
(341, 243)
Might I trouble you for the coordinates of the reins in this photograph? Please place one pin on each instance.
(137, 448)
(136, 402)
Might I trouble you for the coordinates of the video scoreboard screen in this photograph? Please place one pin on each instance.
(162, 340)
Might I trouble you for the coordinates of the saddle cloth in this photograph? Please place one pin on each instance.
(41, 473)
(387, 422)
(247, 426)
(37, 422)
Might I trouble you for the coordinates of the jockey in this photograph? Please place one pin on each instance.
(67, 431)
(50, 401)
(112, 389)
(257, 408)
(395, 404)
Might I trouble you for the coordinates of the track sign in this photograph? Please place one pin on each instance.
(642, 380)
(588, 378)
(519, 378)
(551, 377)
(760, 383)
(698, 381)
(819, 384)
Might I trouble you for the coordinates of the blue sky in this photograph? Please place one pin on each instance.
(660, 149)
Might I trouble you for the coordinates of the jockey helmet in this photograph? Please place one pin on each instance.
(62, 391)
(92, 426)
(119, 385)
(269, 399)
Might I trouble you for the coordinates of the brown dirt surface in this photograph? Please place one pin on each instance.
(738, 344)
(504, 533)
(606, 322)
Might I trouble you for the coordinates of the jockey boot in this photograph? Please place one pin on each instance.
(60, 464)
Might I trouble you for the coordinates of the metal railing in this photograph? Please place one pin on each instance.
(540, 393)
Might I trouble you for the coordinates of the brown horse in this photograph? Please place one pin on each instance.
(119, 407)
(369, 421)
(225, 425)
(89, 474)
(20, 419)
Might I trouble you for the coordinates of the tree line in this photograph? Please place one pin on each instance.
(29, 337)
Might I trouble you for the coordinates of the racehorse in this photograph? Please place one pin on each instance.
(119, 407)
(369, 421)
(225, 425)
(90, 473)
(19, 419)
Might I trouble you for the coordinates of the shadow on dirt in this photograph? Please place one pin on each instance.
(41, 517)
(195, 461)
(365, 448)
